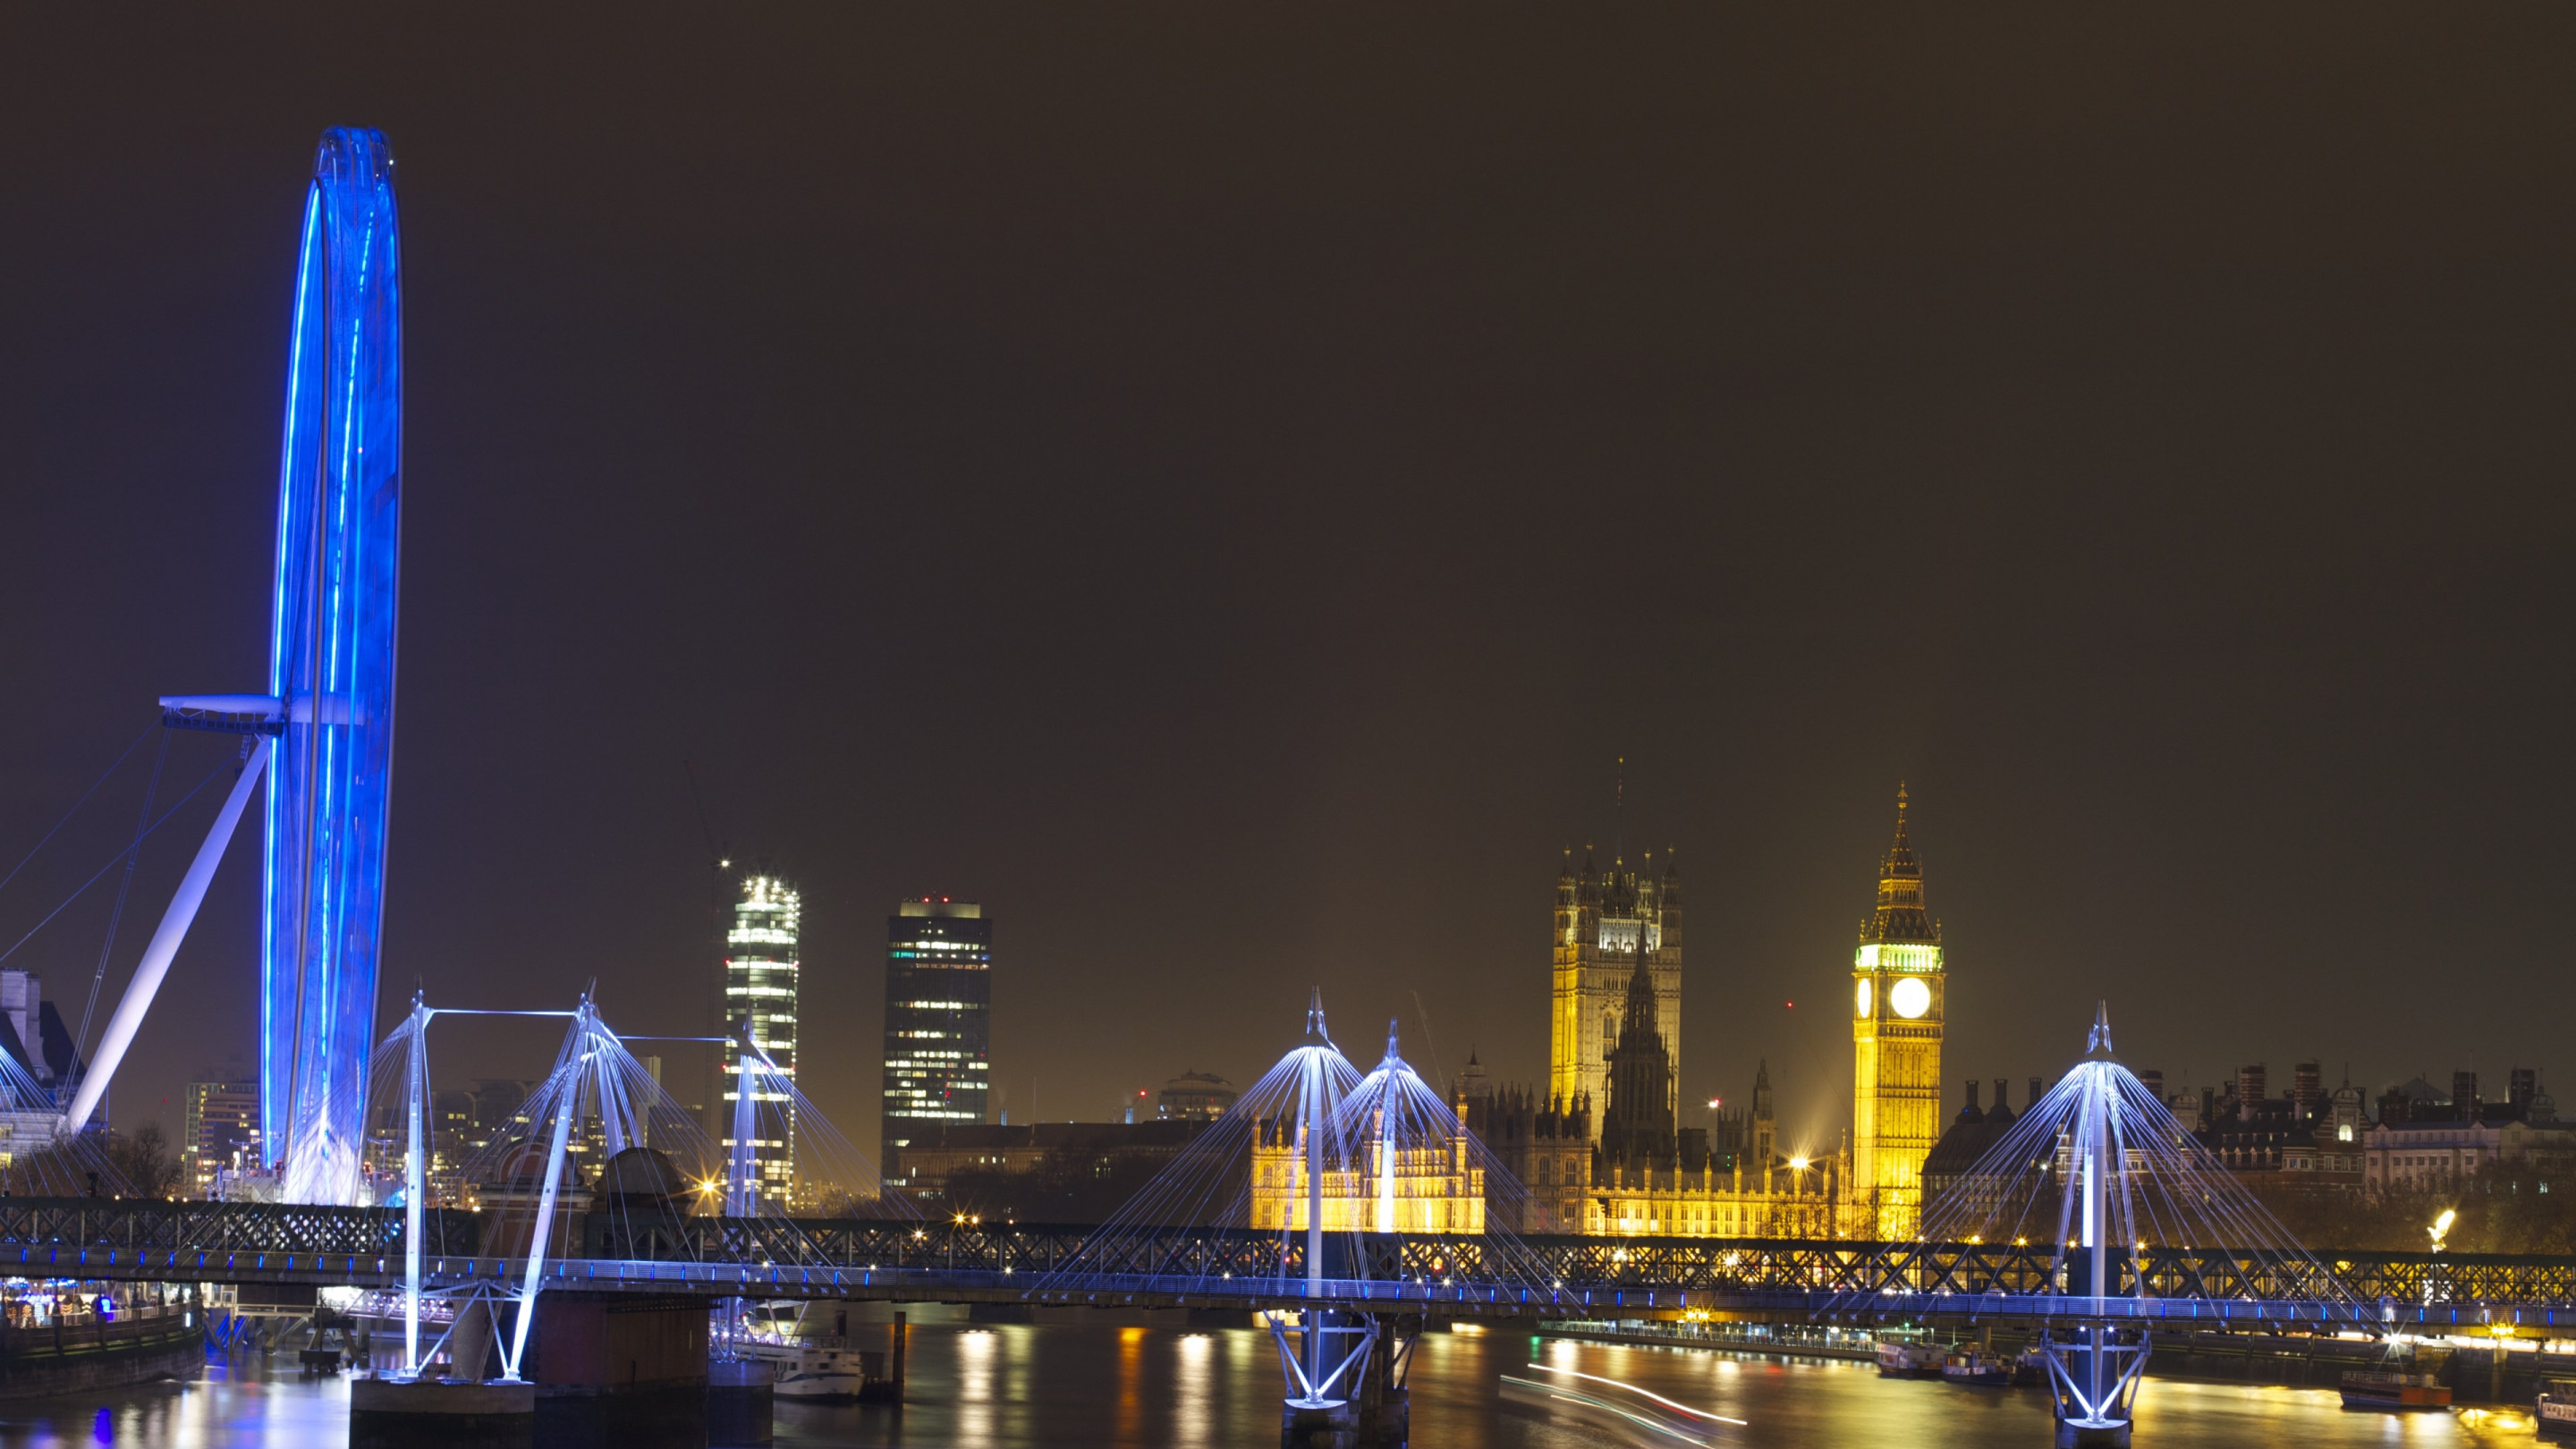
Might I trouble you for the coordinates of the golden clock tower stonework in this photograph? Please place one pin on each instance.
(1898, 987)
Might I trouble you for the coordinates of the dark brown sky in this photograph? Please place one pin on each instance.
(1221, 487)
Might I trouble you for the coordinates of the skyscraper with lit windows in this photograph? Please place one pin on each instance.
(761, 968)
(938, 1021)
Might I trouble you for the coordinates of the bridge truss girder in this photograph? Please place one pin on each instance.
(253, 1242)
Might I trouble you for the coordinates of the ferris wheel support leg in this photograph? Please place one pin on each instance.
(165, 945)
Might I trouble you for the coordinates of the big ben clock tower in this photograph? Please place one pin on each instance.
(1898, 988)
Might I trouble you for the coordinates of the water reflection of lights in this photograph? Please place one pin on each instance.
(1131, 1384)
(976, 1351)
(1194, 1417)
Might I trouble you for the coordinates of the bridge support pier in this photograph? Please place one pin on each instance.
(889, 1390)
(1377, 1410)
(2093, 1377)
(441, 1414)
(1385, 1403)
(622, 1370)
(1319, 1426)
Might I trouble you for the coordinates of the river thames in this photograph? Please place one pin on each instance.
(1062, 1387)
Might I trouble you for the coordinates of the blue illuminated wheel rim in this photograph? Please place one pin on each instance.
(331, 659)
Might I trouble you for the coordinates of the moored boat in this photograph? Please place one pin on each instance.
(2382, 1389)
(1899, 1359)
(2030, 1370)
(814, 1368)
(2555, 1412)
(1976, 1368)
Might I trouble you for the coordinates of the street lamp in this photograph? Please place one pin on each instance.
(2442, 1227)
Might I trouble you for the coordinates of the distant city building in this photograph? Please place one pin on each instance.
(43, 1065)
(939, 1151)
(938, 1026)
(498, 1113)
(2424, 1143)
(219, 1131)
(451, 1137)
(1195, 1097)
(1950, 1168)
(762, 964)
(33, 1034)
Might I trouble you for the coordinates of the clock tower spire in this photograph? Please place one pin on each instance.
(1898, 991)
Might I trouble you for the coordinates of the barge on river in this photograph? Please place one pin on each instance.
(2380, 1389)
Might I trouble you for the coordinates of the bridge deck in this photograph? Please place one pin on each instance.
(1045, 1263)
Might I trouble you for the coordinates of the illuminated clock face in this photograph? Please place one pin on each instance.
(1860, 1005)
(1910, 997)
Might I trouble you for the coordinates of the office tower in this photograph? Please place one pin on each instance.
(499, 1111)
(760, 999)
(219, 1131)
(1897, 999)
(938, 1021)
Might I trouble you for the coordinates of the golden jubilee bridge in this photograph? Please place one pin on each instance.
(1435, 1275)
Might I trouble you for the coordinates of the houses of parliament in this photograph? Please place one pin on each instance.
(1600, 1149)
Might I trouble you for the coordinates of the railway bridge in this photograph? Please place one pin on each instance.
(1437, 1276)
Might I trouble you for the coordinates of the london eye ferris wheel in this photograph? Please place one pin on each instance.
(323, 734)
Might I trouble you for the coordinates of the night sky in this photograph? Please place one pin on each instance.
(1223, 487)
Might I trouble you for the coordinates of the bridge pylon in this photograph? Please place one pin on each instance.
(2095, 1363)
(2149, 1226)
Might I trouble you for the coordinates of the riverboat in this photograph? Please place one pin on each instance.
(820, 1369)
(2030, 1370)
(1899, 1359)
(2380, 1389)
(1975, 1368)
(2555, 1412)
(70, 1346)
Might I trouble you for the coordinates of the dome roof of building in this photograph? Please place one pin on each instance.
(642, 1172)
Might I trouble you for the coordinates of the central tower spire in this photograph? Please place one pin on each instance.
(1900, 915)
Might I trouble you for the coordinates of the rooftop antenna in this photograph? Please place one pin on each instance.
(1619, 812)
